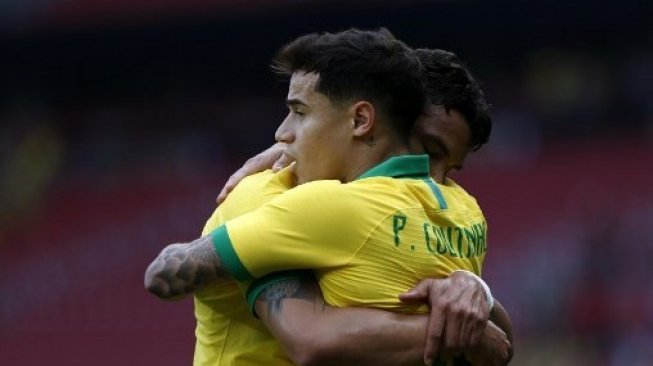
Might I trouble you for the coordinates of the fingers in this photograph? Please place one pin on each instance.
(459, 312)
(434, 336)
(477, 327)
(426, 292)
(221, 196)
(419, 293)
(466, 322)
(281, 163)
(223, 193)
(451, 334)
(465, 333)
(229, 186)
(472, 307)
(270, 158)
(475, 315)
(470, 317)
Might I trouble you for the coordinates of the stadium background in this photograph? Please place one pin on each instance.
(120, 121)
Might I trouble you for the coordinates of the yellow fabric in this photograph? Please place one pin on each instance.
(226, 333)
(368, 240)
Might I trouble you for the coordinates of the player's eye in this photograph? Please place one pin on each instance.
(296, 109)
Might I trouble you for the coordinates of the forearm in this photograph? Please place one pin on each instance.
(181, 268)
(313, 333)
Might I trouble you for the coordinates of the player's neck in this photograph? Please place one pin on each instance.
(439, 176)
(367, 155)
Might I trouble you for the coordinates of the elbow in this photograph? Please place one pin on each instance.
(157, 285)
(163, 277)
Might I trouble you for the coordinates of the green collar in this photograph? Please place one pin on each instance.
(404, 166)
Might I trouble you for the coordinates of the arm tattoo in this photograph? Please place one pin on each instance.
(274, 294)
(181, 268)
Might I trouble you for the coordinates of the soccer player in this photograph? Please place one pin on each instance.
(456, 122)
(364, 128)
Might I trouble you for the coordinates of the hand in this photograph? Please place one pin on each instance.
(273, 158)
(493, 350)
(459, 313)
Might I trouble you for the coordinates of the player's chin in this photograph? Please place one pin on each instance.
(301, 176)
(300, 179)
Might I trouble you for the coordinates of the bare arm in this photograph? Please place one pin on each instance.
(313, 333)
(181, 268)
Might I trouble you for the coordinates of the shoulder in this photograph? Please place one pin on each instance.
(253, 192)
(259, 180)
(260, 184)
(462, 195)
(393, 191)
(316, 191)
(323, 200)
(455, 187)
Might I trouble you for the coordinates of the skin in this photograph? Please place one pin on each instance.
(444, 136)
(313, 130)
(330, 140)
(354, 335)
(321, 127)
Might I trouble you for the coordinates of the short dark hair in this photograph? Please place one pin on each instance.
(367, 64)
(449, 83)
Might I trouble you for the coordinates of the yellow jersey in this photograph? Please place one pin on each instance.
(226, 333)
(367, 241)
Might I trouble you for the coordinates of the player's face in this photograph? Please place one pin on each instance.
(315, 130)
(444, 136)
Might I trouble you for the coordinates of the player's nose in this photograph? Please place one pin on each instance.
(284, 133)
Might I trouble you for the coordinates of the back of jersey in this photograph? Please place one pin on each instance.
(416, 229)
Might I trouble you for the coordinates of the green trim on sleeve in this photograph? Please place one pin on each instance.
(257, 287)
(227, 254)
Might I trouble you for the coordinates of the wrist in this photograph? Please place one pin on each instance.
(486, 288)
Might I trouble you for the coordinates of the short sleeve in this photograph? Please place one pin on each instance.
(251, 193)
(215, 221)
(313, 226)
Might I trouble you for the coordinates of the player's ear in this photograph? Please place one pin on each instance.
(364, 118)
